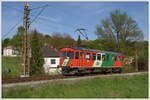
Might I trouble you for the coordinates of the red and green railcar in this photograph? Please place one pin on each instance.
(78, 59)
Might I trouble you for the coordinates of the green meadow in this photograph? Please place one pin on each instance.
(101, 87)
(13, 64)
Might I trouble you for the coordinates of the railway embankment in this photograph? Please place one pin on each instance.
(125, 85)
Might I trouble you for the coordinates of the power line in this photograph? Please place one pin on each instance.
(35, 9)
(14, 26)
(37, 16)
(40, 13)
(39, 7)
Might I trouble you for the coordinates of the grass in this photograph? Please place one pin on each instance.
(104, 87)
(14, 64)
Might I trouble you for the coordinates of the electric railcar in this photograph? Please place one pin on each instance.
(81, 60)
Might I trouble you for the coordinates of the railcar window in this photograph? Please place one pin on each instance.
(82, 55)
(88, 56)
(107, 57)
(98, 56)
(112, 57)
(63, 54)
(115, 58)
(119, 58)
(77, 55)
(70, 54)
(93, 56)
(103, 57)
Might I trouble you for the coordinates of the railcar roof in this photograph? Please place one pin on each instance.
(93, 50)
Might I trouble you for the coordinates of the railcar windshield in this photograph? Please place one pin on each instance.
(63, 54)
(70, 54)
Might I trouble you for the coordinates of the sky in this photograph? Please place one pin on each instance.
(66, 17)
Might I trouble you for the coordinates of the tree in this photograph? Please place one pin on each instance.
(47, 39)
(120, 33)
(37, 60)
(142, 53)
(17, 40)
(79, 41)
(102, 44)
(5, 43)
(119, 27)
(59, 40)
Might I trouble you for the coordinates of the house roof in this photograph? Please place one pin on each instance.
(49, 52)
(9, 47)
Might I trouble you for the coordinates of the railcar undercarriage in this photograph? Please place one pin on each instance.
(66, 70)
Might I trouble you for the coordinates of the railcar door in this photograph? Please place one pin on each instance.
(70, 57)
(111, 60)
(98, 61)
(77, 60)
(88, 59)
(104, 60)
(63, 56)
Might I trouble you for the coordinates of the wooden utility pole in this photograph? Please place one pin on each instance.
(26, 49)
(26, 38)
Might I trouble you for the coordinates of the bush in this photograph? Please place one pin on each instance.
(129, 68)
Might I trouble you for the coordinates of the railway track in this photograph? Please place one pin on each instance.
(50, 77)
(37, 78)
